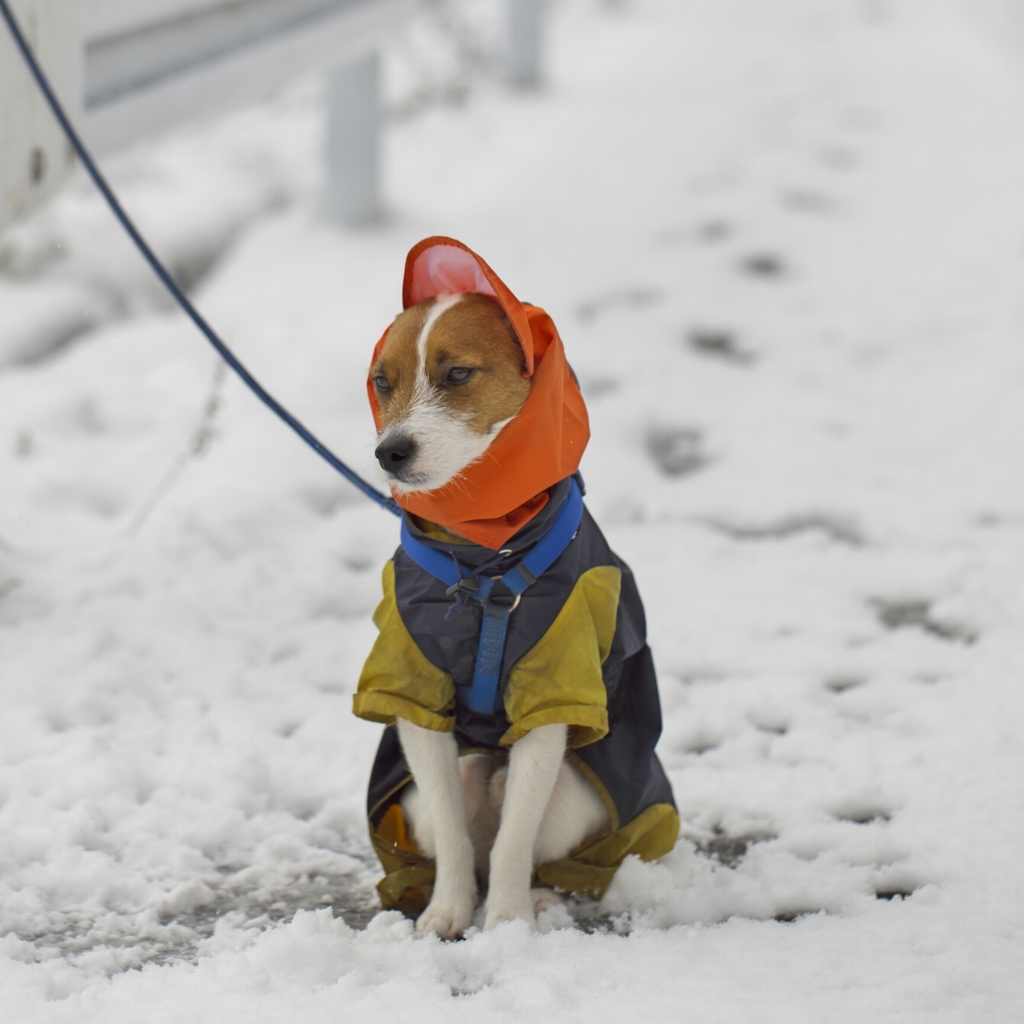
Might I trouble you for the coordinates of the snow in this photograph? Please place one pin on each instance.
(784, 245)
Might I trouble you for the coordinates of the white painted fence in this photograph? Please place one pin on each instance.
(127, 69)
(34, 156)
(523, 45)
(160, 61)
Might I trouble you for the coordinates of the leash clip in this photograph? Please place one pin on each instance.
(468, 585)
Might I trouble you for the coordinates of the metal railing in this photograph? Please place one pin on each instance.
(128, 69)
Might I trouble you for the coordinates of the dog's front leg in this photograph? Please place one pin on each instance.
(533, 768)
(433, 759)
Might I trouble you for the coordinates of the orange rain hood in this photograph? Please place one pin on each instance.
(497, 495)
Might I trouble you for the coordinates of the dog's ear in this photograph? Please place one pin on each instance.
(444, 266)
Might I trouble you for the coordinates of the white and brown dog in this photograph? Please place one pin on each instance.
(450, 381)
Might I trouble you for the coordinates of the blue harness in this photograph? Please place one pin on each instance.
(483, 695)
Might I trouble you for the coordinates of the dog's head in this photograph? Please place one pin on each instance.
(478, 414)
(447, 380)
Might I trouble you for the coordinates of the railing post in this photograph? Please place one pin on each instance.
(34, 156)
(523, 41)
(353, 141)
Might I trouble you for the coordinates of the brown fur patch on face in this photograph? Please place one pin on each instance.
(472, 334)
(398, 362)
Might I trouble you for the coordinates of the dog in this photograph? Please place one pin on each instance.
(511, 665)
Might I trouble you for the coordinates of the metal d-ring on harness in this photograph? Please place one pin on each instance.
(170, 284)
(483, 695)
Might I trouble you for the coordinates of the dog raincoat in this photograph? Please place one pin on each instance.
(575, 651)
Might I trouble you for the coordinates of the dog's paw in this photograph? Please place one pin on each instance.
(503, 907)
(545, 899)
(448, 919)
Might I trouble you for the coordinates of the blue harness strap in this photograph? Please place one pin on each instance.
(483, 694)
(429, 559)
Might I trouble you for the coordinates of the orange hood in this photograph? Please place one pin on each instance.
(497, 495)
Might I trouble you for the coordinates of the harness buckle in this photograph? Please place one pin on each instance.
(468, 585)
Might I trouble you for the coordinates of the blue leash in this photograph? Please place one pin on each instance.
(169, 283)
(483, 695)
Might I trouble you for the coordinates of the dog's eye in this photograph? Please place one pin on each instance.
(459, 374)
(381, 384)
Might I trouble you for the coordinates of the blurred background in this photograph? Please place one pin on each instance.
(783, 241)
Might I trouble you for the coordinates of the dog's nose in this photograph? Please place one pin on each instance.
(394, 452)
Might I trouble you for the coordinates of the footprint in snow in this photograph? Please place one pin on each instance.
(676, 450)
(915, 614)
(718, 343)
(863, 814)
(835, 527)
(764, 265)
(843, 683)
(730, 850)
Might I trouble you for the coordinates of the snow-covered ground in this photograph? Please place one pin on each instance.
(784, 243)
